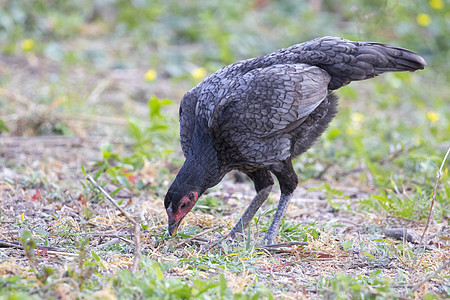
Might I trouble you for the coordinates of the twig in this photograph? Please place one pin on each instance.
(111, 199)
(354, 170)
(279, 274)
(438, 270)
(104, 234)
(394, 155)
(16, 96)
(61, 253)
(125, 240)
(287, 244)
(321, 173)
(433, 198)
(95, 118)
(195, 236)
(111, 242)
(97, 91)
(11, 244)
(137, 229)
(38, 248)
(217, 243)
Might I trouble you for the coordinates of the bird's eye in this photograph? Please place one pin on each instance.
(183, 206)
(191, 197)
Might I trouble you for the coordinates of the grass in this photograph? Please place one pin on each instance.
(87, 91)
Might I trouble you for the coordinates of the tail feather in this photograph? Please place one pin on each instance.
(348, 61)
(391, 58)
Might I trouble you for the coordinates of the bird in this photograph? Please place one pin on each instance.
(256, 115)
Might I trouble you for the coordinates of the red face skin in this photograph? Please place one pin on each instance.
(185, 205)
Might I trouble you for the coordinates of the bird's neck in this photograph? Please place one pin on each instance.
(201, 170)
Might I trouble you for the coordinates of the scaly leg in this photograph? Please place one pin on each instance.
(263, 185)
(272, 232)
(288, 183)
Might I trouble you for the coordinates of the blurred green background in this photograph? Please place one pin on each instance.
(215, 33)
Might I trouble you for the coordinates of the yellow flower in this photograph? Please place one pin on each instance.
(437, 4)
(357, 117)
(21, 216)
(350, 131)
(27, 44)
(423, 19)
(432, 116)
(198, 73)
(151, 75)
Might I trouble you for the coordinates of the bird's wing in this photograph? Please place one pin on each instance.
(261, 108)
(187, 121)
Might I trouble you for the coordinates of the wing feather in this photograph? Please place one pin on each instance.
(262, 108)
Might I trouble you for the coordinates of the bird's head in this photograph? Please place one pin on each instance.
(177, 206)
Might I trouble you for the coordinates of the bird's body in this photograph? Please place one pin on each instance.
(256, 115)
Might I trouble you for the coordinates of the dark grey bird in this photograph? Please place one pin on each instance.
(256, 115)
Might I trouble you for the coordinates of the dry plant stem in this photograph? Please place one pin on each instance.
(8, 244)
(16, 96)
(111, 199)
(438, 270)
(195, 236)
(137, 229)
(111, 242)
(217, 243)
(49, 252)
(287, 244)
(279, 274)
(433, 198)
(94, 118)
(98, 90)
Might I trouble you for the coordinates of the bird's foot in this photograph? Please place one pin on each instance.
(237, 230)
(268, 240)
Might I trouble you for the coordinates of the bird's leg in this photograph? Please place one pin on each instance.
(288, 182)
(272, 232)
(263, 185)
(251, 210)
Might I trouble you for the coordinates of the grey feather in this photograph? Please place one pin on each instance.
(257, 114)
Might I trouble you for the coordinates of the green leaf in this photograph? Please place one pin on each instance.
(48, 271)
(222, 285)
(99, 172)
(95, 256)
(159, 272)
(123, 181)
(247, 246)
(3, 127)
(116, 191)
(84, 171)
(155, 104)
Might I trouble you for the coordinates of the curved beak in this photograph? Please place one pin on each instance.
(173, 224)
(173, 227)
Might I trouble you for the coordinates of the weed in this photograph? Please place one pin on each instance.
(149, 140)
(152, 284)
(3, 127)
(343, 286)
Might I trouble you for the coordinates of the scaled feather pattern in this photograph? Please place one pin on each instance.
(257, 114)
